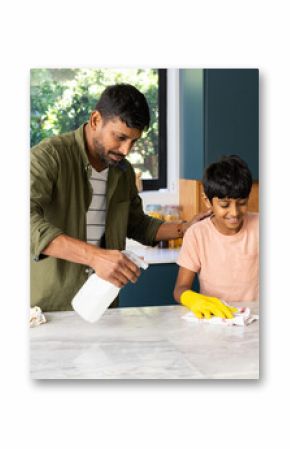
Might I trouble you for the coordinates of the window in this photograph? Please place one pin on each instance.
(150, 153)
(62, 99)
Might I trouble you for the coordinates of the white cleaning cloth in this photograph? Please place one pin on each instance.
(36, 317)
(242, 317)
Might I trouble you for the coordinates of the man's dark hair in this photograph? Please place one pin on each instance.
(127, 103)
(230, 177)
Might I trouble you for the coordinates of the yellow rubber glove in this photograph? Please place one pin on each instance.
(205, 306)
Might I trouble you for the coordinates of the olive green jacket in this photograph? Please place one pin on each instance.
(60, 197)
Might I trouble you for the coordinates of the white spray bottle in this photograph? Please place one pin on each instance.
(95, 296)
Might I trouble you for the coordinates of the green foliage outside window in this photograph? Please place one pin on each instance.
(62, 99)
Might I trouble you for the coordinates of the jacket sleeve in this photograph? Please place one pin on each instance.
(141, 227)
(43, 176)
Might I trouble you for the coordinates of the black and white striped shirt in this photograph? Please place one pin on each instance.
(96, 215)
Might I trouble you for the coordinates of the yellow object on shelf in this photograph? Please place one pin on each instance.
(169, 213)
(173, 217)
(175, 243)
(155, 215)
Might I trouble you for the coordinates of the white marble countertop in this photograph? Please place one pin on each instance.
(143, 343)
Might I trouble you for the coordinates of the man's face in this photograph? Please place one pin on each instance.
(229, 214)
(113, 140)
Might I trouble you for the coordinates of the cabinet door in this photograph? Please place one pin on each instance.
(191, 119)
(219, 115)
(231, 121)
(154, 287)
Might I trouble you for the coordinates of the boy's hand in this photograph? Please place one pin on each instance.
(205, 306)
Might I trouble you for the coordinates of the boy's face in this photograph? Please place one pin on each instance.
(228, 214)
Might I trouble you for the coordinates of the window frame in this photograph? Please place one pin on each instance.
(161, 181)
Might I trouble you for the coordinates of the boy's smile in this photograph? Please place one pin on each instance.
(228, 214)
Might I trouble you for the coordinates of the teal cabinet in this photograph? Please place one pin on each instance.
(219, 115)
(154, 287)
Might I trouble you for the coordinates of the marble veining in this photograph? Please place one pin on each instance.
(143, 343)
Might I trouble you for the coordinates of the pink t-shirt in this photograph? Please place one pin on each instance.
(227, 265)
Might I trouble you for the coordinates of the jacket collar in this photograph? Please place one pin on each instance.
(80, 139)
(113, 179)
(115, 172)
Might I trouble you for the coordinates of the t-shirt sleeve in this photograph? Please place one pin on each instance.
(189, 254)
(253, 232)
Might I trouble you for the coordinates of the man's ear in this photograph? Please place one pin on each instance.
(95, 119)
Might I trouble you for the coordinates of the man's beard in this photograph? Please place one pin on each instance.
(101, 152)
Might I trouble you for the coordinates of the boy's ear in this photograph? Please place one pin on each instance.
(206, 201)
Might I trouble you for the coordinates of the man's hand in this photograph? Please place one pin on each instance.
(205, 306)
(175, 230)
(200, 217)
(115, 267)
(195, 219)
(111, 265)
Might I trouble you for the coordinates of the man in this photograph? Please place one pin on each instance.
(71, 171)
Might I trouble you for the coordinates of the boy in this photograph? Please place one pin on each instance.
(224, 248)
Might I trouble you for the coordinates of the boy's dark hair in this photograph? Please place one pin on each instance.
(127, 103)
(230, 177)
